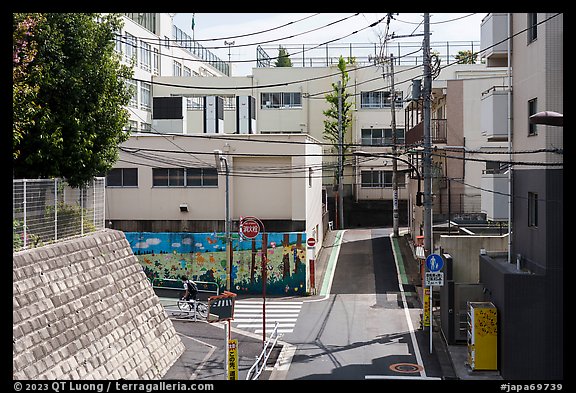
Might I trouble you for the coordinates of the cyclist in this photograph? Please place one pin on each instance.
(190, 288)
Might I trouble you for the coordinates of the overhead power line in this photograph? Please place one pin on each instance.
(175, 42)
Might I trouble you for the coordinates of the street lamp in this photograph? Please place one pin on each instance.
(219, 159)
(548, 118)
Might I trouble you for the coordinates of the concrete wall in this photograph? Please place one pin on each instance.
(465, 251)
(83, 309)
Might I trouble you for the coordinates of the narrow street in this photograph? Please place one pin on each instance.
(365, 328)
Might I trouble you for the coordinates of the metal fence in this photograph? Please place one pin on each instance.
(49, 210)
(405, 53)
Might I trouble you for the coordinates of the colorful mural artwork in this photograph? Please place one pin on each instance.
(202, 257)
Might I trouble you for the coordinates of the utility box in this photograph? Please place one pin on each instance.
(213, 115)
(245, 115)
(482, 336)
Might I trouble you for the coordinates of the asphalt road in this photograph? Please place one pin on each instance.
(364, 327)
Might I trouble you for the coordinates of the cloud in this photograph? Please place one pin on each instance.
(187, 240)
(153, 241)
(141, 245)
(176, 245)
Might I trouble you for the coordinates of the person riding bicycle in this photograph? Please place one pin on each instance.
(191, 290)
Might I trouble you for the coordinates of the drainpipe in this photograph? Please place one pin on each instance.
(509, 75)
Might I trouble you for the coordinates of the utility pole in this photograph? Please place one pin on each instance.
(427, 160)
(394, 162)
(340, 161)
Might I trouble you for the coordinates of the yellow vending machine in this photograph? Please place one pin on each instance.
(482, 336)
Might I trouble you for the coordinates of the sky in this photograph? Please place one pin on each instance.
(217, 31)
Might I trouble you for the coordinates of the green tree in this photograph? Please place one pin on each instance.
(466, 57)
(24, 94)
(331, 121)
(283, 58)
(71, 96)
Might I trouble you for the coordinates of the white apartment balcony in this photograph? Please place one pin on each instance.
(493, 44)
(494, 199)
(494, 114)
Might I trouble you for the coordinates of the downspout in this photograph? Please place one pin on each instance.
(509, 76)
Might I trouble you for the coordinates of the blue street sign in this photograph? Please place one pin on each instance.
(434, 262)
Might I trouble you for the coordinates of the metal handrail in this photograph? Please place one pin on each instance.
(264, 355)
(180, 288)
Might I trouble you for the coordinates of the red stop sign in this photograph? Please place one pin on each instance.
(250, 229)
(311, 242)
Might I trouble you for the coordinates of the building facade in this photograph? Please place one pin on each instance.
(291, 100)
(527, 284)
(155, 46)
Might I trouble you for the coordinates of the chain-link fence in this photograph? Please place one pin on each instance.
(49, 210)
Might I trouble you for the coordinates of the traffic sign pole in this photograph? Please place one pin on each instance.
(434, 263)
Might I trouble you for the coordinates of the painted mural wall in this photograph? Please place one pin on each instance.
(202, 257)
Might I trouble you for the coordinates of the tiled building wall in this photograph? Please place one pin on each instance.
(83, 309)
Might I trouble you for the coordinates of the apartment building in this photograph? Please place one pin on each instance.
(459, 142)
(526, 285)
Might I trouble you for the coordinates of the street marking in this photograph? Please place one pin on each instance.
(206, 357)
(248, 315)
(331, 268)
(398, 256)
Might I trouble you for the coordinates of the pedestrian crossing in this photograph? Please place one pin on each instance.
(248, 315)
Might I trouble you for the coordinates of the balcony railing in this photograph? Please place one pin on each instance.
(415, 135)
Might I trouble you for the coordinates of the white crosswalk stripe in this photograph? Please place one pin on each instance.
(248, 315)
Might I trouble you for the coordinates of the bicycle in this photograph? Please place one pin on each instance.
(188, 306)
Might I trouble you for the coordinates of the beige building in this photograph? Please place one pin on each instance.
(170, 183)
(291, 100)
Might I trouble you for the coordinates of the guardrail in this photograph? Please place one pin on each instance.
(260, 364)
(172, 288)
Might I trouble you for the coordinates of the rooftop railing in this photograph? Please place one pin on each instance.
(405, 53)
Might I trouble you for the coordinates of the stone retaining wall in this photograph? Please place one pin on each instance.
(83, 309)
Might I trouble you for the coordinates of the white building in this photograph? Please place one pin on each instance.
(157, 47)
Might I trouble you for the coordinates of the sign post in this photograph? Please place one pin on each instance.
(249, 228)
(311, 242)
(232, 360)
(434, 263)
(221, 308)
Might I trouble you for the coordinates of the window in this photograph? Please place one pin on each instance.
(130, 52)
(187, 71)
(532, 108)
(184, 177)
(156, 57)
(122, 177)
(133, 88)
(532, 32)
(145, 127)
(379, 99)
(281, 100)
(118, 41)
(177, 68)
(381, 179)
(381, 136)
(168, 177)
(532, 209)
(195, 102)
(145, 56)
(201, 177)
(145, 96)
